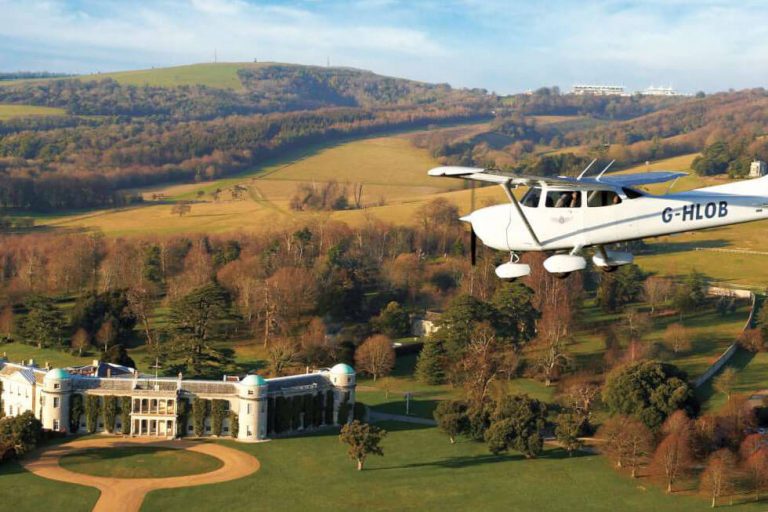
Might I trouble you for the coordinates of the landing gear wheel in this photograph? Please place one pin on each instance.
(609, 268)
(562, 275)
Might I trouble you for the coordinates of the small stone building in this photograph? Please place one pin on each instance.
(113, 398)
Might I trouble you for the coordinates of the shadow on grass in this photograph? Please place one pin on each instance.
(11, 467)
(478, 460)
(418, 408)
(111, 454)
(388, 425)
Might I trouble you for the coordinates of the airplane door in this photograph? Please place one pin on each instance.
(603, 218)
(564, 218)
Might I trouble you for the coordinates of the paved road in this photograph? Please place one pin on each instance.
(127, 494)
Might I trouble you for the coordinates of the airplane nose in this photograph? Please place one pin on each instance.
(490, 226)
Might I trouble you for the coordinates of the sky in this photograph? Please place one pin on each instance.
(504, 46)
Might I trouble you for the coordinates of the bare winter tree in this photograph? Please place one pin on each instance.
(657, 290)
(677, 338)
(719, 476)
(282, 354)
(481, 362)
(673, 456)
(376, 356)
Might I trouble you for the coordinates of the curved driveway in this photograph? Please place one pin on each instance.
(127, 494)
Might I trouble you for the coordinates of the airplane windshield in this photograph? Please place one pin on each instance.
(531, 198)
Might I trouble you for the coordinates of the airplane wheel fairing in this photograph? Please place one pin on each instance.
(513, 270)
(608, 269)
(564, 264)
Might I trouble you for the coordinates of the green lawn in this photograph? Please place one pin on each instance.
(21, 491)
(420, 471)
(711, 335)
(387, 394)
(139, 462)
(16, 352)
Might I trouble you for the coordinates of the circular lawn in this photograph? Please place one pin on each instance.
(139, 462)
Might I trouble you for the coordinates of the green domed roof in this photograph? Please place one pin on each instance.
(253, 380)
(58, 373)
(343, 369)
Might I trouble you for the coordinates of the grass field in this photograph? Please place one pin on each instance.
(391, 169)
(139, 462)
(21, 491)
(421, 470)
(710, 335)
(393, 172)
(13, 111)
(16, 352)
(221, 75)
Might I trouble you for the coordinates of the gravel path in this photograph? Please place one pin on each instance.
(127, 494)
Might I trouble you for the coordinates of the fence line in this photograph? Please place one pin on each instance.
(732, 251)
(728, 353)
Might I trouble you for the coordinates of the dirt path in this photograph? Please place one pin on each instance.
(127, 494)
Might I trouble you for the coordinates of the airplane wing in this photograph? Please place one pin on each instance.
(503, 177)
(510, 178)
(642, 178)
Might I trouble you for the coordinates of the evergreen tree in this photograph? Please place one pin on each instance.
(197, 320)
(649, 391)
(393, 321)
(44, 323)
(430, 364)
(516, 315)
(517, 422)
(451, 417)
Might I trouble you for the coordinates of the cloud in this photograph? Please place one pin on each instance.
(496, 44)
(188, 30)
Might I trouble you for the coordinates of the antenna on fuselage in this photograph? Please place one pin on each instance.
(603, 171)
(586, 169)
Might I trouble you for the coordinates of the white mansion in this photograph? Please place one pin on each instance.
(112, 398)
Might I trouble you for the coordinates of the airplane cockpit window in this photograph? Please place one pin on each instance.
(563, 199)
(596, 198)
(531, 198)
(631, 193)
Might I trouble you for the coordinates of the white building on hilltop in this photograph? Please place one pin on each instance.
(599, 90)
(117, 399)
(757, 169)
(660, 91)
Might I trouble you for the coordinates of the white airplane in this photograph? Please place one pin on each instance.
(566, 215)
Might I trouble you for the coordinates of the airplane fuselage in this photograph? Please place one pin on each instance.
(618, 216)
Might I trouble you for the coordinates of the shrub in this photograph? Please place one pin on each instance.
(182, 416)
(125, 414)
(75, 411)
(91, 413)
(200, 408)
(218, 409)
(109, 406)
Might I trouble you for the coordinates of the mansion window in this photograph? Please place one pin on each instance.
(55, 402)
